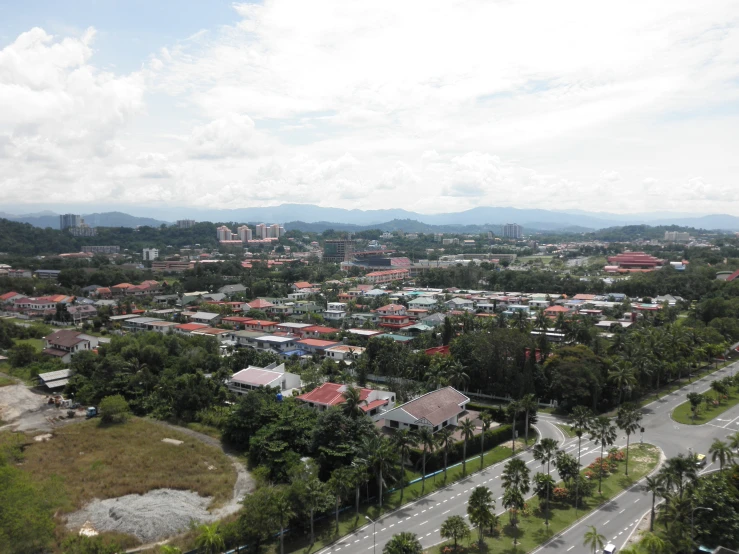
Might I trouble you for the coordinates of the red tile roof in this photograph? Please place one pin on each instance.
(8, 295)
(259, 304)
(374, 404)
(329, 394)
(317, 343)
(320, 330)
(190, 326)
(438, 350)
(302, 285)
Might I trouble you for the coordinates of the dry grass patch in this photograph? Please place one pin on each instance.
(108, 461)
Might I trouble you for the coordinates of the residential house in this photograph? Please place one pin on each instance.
(10, 297)
(231, 290)
(435, 410)
(206, 318)
(305, 308)
(387, 276)
(394, 322)
(47, 274)
(315, 331)
(254, 377)
(66, 343)
(301, 285)
(458, 303)
(372, 402)
(335, 311)
(54, 380)
(366, 333)
(82, 313)
(344, 352)
(257, 304)
(434, 320)
(261, 325)
(187, 328)
(296, 329)
(424, 302)
(391, 309)
(315, 346)
(275, 344)
(220, 334)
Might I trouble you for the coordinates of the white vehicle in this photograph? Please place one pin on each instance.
(609, 549)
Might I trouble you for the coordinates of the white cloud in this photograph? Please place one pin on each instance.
(365, 104)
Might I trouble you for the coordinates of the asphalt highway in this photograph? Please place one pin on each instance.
(615, 520)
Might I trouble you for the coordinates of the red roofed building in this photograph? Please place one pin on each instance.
(391, 309)
(257, 304)
(438, 351)
(315, 345)
(260, 325)
(300, 285)
(394, 321)
(9, 297)
(387, 276)
(554, 311)
(372, 402)
(317, 330)
(635, 260)
(187, 328)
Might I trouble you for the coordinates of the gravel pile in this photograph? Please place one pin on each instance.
(150, 517)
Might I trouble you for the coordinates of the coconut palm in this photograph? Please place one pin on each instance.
(656, 486)
(679, 472)
(722, 452)
(734, 441)
(527, 405)
(486, 419)
(444, 440)
(425, 438)
(360, 477)
(628, 419)
(381, 458)
(468, 431)
(516, 485)
(353, 402)
(403, 543)
(541, 322)
(654, 544)
(210, 540)
(545, 452)
(593, 539)
(456, 376)
(622, 377)
(403, 441)
(512, 411)
(521, 320)
(513, 501)
(284, 508)
(580, 419)
(481, 509)
(602, 432)
(340, 484)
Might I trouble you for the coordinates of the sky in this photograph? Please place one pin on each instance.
(429, 105)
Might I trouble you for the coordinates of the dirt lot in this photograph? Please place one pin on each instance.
(22, 409)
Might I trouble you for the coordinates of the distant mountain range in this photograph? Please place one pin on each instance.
(310, 217)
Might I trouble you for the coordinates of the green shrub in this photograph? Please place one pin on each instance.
(114, 409)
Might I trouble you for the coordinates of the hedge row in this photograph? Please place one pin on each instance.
(493, 437)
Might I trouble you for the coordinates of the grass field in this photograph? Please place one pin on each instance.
(707, 412)
(106, 461)
(348, 521)
(38, 344)
(6, 381)
(532, 530)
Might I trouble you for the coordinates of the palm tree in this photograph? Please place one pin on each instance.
(403, 440)
(456, 375)
(455, 528)
(380, 456)
(468, 431)
(521, 320)
(403, 543)
(315, 500)
(545, 452)
(359, 477)
(481, 509)
(653, 544)
(486, 419)
(527, 405)
(734, 441)
(541, 321)
(209, 540)
(695, 400)
(444, 440)
(580, 423)
(284, 507)
(593, 539)
(656, 486)
(628, 419)
(602, 432)
(622, 376)
(425, 437)
(679, 471)
(722, 452)
(339, 485)
(353, 402)
(512, 410)
(513, 501)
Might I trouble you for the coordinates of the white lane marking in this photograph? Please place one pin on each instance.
(424, 523)
(531, 461)
(637, 500)
(393, 525)
(414, 515)
(469, 489)
(607, 522)
(445, 513)
(383, 528)
(356, 540)
(371, 547)
(427, 534)
(500, 497)
(622, 511)
(424, 511)
(436, 530)
(573, 546)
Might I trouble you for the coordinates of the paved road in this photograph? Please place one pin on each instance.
(615, 519)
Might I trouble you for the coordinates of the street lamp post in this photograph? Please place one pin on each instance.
(692, 517)
(374, 540)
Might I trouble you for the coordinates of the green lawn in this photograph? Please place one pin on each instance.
(532, 531)
(566, 430)
(38, 344)
(349, 521)
(706, 412)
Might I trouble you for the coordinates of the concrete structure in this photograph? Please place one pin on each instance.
(185, 223)
(244, 233)
(631, 261)
(69, 220)
(102, 249)
(512, 231)
(676, 236)
(224, 233)
(436, 410)
(254, 377)
(387, 276)
(344, 352)
(150, 254)
(337, 251)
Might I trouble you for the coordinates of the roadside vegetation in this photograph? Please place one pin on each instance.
(701, 408)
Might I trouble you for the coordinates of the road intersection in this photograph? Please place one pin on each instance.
(615, 519)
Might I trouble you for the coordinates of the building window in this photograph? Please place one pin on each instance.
(394, 424)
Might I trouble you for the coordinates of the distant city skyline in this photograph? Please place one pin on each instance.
(622, 108)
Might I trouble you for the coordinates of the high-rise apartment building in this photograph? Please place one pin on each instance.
(83, 230)
(261, 231)
(244, 233)
(150, 254)
(224, 233)
(276, 231)
(185, 223)
(512, 231)
(676, 236)
(69, 220)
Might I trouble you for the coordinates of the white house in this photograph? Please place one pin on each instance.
(373, 402)
(66, 343)
(343, 352)
(436, 410)
(254, 377)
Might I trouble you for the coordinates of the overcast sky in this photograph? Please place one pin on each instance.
(429, 105)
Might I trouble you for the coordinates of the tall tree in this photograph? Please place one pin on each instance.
(722, 452)
(353, 402)
(546, 452)
(621, 375)
(340, 484)
(654, 485)
(602, 432)
(455, 528)
(512, 410)
(468, 431)
(381, 458)
(481, 509)
(628, 419)
(427, 442)
(485, 419)
(403, 440)
(580, 421)
(444, 440)
(528, 405)
(593, 539)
